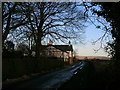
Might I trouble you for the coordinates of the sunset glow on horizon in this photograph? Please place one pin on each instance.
(87, 49)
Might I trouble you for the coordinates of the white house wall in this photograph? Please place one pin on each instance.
(52, 51)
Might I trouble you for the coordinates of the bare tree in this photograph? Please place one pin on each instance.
(58, 20)
(12, 18)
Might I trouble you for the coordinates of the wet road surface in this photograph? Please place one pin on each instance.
(54, 79)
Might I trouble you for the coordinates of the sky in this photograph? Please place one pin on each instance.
(92, 34)
(87, 49)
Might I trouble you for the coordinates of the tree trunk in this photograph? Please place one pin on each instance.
(40, 33)
(38, 44)
(7, 30)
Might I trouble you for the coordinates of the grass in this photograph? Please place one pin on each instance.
(107, 75)
(103, 74)
(82, 79)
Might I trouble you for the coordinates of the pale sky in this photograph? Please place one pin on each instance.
(92, 34)
(87, 49)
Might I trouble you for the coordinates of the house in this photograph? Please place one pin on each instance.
(59, 51)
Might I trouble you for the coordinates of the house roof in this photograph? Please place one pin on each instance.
(63, 48)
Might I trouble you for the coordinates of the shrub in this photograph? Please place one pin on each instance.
(16, 67)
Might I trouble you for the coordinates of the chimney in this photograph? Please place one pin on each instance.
(50, 42)
(69, 43)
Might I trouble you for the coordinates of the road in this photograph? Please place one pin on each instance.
(52, 80)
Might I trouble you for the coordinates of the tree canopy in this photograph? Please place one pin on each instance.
(36, 21)
(111, 12)
(12, 17)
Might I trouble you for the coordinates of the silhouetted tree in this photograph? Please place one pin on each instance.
(8, 49)
(12, 18)
(9, 46)
(23, 48)
(111, 12)
(58, 20)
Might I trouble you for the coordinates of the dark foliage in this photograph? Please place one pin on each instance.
(9, 52)
(110, 11)
(17, 67)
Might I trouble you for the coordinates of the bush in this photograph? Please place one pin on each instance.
(14, 54)
(17, 67)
